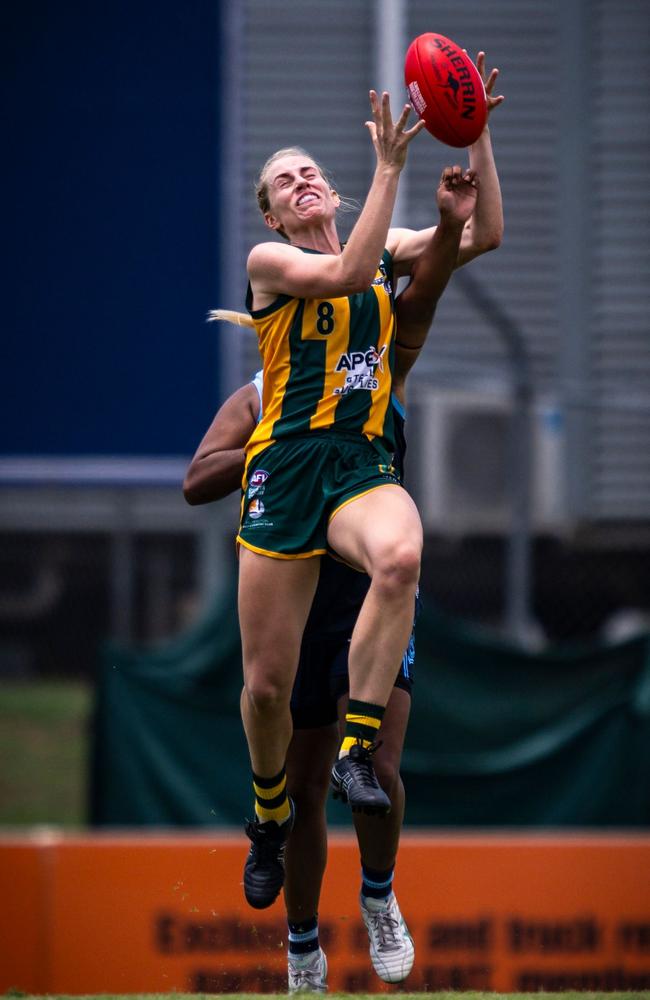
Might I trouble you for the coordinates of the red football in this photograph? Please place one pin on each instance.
(446, 89)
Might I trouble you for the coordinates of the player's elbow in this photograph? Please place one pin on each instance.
(495, 242)
(355, 276)
(192, 488)
(357, 282)
(491, 240)
(189, 492)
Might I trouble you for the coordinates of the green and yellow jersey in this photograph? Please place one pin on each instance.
(327, 363)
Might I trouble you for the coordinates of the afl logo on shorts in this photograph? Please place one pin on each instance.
(256, 484)
(258, 478)
(255, 509)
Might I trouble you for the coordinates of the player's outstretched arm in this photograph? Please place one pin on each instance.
(218, 465)
(430, 272)
(484, 230)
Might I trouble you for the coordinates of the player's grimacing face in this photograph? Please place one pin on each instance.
(298, 192)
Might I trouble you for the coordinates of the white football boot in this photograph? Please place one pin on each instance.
(308, 974)
(391, 946)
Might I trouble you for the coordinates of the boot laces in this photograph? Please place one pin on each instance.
(386, 928)
(307, 977)
(362, 758)
(267, 847)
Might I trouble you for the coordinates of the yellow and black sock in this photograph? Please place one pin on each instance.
(362, 720)
(271, 800)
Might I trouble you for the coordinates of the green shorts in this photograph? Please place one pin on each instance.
(292, 489)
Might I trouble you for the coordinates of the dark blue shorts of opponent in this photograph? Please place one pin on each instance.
(322, 676)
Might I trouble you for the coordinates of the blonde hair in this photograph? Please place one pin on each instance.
(229, 316)
(262, 183)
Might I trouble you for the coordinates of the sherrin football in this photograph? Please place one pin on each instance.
(445, 89)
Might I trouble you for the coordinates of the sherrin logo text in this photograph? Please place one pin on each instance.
(461, 84)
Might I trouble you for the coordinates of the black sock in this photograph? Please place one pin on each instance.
(376, 884)
(303, 937)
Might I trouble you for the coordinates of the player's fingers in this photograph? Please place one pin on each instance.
(375, 107)
(372, 128)
(386, 118)
(448, 178)
(403, 118)
(414, 130)
(494, 102)
(480, 63)
(491, 80)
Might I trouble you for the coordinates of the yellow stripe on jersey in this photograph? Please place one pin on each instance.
(380, 398)
(319, 336)
(275, 347)
(337, 342)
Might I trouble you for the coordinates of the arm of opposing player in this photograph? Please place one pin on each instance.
(483, 231)
(416, 305)
(218, 465)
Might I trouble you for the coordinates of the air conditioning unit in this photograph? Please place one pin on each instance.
(459, 463)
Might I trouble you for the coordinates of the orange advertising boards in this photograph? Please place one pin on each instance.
(142, 913)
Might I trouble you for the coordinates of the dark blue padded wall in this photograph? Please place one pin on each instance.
(110, 183)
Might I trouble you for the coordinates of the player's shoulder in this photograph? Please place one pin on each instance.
(395, 237)
(268, 254)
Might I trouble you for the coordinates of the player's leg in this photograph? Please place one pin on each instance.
(381, 533)
(391, 946)
(275, 596)
(309, 763)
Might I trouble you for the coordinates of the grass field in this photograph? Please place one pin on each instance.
(43, 752)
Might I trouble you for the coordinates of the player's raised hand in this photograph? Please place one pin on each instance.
(390, 138)
(489, 82)
(457, 192)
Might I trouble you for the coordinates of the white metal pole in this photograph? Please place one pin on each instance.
(390, 48)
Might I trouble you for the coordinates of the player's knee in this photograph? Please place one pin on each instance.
(387, 772)
(309, 793)
(267, 693)
(397, 567)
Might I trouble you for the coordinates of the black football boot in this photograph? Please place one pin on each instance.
(354, 781)
(264, 867)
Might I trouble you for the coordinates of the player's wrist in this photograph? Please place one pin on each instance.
(389, 172)
(483, 137)
(449, 223)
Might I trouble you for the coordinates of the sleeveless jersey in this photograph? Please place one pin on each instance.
(327, 363)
